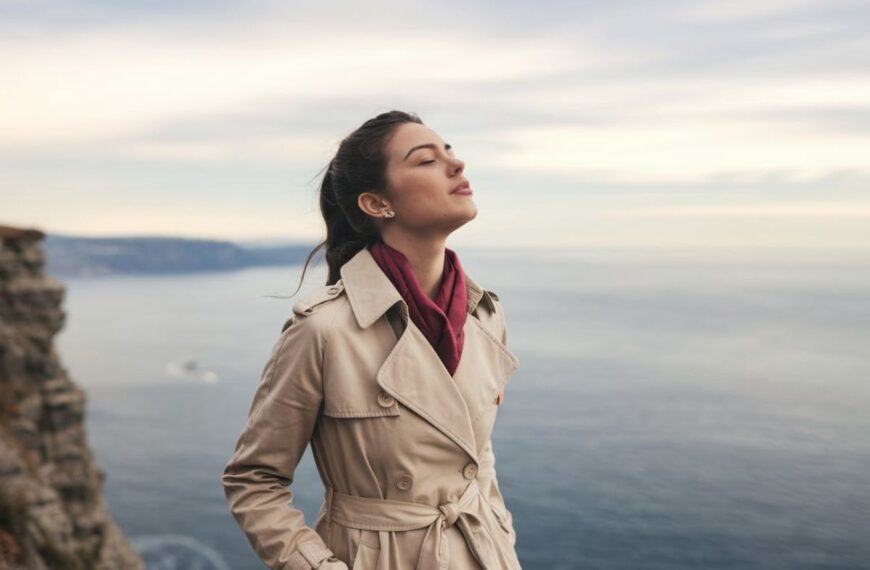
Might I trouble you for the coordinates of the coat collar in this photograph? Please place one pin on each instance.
(371, 293)
(413, 372)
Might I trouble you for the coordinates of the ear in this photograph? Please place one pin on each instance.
(371, 204)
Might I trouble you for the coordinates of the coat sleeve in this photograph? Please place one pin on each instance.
(502, 323)
(280, 424)
(487, 475)
(489, 487)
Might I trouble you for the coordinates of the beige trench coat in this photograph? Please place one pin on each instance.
(402, 447)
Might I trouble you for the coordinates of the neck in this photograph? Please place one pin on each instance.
(426, 257)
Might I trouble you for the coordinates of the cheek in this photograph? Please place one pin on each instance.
(422, 194)
(425, 204)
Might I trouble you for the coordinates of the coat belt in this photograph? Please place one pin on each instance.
(391, 515)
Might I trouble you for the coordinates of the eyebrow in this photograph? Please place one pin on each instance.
(447, 146)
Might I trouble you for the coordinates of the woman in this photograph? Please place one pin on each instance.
(393, 371)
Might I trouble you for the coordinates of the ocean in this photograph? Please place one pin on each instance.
(673, 409)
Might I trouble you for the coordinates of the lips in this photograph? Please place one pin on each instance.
(464, 188)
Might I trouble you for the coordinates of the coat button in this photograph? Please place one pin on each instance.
(469, 471)
(332, 290)
(385, 400)
(404, 482)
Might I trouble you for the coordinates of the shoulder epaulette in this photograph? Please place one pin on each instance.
(489, 299)
(317, 298)
(498, 314)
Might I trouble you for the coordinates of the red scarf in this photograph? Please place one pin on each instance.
(441, 320)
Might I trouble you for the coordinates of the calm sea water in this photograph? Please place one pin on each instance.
(673, 409)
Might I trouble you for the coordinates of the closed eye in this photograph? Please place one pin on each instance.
(427, 162)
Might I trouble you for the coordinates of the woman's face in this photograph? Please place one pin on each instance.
(422, 172)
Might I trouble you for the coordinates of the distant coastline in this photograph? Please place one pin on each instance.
(79, 256)
(75, 256)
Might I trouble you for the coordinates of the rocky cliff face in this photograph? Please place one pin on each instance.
(52, 512)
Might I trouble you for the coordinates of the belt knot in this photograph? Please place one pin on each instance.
(450, 512)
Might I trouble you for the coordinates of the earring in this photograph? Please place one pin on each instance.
(389, 213)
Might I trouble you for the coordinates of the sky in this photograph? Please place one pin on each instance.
(645, 123)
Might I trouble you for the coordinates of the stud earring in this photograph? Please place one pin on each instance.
(389, 213)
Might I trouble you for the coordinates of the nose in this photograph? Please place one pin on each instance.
(458, 165)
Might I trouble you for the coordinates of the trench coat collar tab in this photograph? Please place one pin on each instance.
(371, 293)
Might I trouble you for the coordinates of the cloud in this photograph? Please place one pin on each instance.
(88, 88)
(630, 98)
(562, 104)
(774, 210)
(738, 12)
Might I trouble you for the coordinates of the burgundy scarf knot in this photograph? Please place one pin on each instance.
(440, 320)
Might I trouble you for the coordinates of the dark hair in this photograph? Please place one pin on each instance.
(359, 165)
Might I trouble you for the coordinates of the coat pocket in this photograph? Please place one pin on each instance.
(365, 555)
(354, 397)
(361, 434)
(505, 521)
(364, 405)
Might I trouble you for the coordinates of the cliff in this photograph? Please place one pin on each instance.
(52, 512)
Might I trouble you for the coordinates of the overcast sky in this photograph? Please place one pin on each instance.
(581, 123)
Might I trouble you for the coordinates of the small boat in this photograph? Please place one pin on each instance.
(190, 369)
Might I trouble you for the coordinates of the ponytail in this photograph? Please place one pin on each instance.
(343, 240)
(359, 165)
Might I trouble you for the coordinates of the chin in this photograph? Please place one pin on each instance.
(460, 217)
(468, 210)
(469, 214)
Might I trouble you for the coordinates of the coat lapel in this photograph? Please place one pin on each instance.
(413, 373)
(416, 377)
(371, 292)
